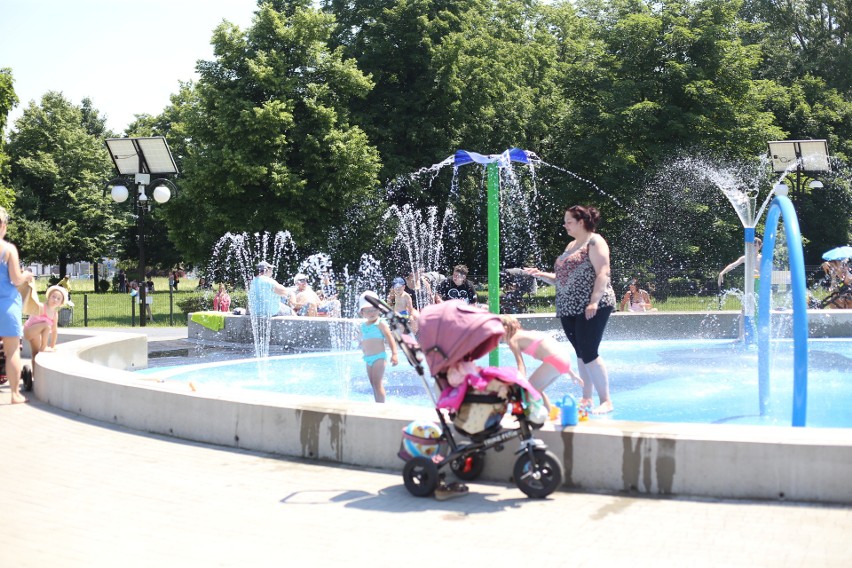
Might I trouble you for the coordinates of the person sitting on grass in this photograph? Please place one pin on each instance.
(636, 299)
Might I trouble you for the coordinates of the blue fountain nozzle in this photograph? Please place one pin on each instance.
(463, 157)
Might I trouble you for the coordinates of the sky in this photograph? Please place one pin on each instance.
(127, 56)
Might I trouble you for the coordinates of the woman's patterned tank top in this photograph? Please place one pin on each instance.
(575, 279)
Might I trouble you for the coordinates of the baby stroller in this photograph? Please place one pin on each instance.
(26, 372)
(452, 336)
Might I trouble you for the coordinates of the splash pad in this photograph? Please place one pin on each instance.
(716, 461)
(89, 377)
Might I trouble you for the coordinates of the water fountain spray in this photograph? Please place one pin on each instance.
(492, 164)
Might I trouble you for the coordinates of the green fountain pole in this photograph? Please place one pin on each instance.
(492, 165)
(493, 248)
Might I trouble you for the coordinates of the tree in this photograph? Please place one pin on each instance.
(472, 74)
(394, 42)
(58, 173)
(8, 100)
(270, 140)
(804, 37)
(656, 81)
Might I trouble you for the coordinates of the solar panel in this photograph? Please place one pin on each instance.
(785, 155)
(141, 155)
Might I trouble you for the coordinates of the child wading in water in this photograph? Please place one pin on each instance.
(402, 303)
(372, 334)
(41, 330)
(541, 346)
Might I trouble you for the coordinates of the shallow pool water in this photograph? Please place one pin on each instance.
(703, 381)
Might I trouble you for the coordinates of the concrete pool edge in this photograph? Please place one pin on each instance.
(300, 333)
(90, 376)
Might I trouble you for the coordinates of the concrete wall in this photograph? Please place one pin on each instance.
(287, 332)
(299, 333)
(89, 376)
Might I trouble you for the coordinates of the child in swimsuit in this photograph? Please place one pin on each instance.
(373, 332)
(40, 330)
(402, 303)
(541, 346)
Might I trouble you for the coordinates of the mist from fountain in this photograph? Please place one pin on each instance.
(234, 259)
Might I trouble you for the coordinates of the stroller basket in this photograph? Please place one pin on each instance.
(480, 413)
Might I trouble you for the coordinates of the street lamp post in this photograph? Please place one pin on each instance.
(141, 158)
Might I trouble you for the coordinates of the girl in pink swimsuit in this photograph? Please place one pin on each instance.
(41, 330)
(541, 346)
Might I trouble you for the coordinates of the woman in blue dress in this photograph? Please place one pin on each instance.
(11, 328)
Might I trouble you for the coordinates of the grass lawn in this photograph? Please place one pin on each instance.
(113, 309)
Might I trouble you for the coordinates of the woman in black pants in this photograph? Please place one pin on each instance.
(584, 298)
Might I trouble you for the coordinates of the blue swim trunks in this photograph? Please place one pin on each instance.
(370, 359)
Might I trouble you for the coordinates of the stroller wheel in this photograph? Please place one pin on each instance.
(27, 377)
(538, 475)
(468, 467)
(421, 476)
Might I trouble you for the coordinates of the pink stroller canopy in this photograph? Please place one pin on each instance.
(453, 331)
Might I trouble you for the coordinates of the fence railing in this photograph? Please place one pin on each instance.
(113, 309)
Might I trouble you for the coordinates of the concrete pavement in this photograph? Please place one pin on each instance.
(80, 493)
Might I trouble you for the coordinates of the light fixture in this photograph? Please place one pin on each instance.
(141, 158)
(815, 184)
(119, 193)
(162, 194)
(781, 189)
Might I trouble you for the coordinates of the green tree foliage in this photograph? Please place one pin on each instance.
(8, 100)
(804, 37)
(273, 146)
(297, 118)
(652, 82)
(478, 75)
(667, 76)
(393, 41)
(58, 172)
(472, 74)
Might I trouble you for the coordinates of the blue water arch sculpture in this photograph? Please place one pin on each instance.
(782, 206)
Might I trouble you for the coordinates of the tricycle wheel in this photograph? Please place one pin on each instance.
(538, 475)
(468, 467)
(421, 476)
(27, 377)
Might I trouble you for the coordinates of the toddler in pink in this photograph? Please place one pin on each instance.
(41, 330)
(538, 345)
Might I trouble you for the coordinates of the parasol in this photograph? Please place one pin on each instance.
(838, 253)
